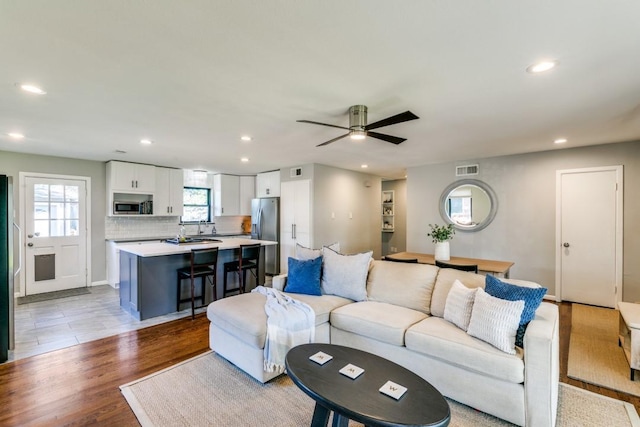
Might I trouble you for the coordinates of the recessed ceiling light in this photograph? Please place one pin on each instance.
(16, 135)
(32, 89)
(245, 138)
(541, 66)
(146, 141)
(244, 160)
(560, 141)
(364, 166)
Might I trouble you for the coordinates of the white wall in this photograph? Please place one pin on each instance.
(524, 228)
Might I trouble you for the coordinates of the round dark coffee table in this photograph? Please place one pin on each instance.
(360, 399)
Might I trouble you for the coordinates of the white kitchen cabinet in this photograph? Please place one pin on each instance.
(168, 198)
(295, 218)
(268, 184)
(247, 193)
(123, 177)
(226, 195)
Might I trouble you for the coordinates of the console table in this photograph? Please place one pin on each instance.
(486, 265)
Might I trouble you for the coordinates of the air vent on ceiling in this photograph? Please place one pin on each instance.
(296, 172)
(467, 170)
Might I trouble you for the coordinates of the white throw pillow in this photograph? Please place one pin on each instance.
(345, 275)
(303, 253)
(495, 321)
(459, 305)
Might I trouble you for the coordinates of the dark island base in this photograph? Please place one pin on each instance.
(148, 285)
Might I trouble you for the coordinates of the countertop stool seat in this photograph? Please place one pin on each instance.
(204, 263)
(249, 260)
(467, 267)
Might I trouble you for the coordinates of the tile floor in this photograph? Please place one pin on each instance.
(45, 326)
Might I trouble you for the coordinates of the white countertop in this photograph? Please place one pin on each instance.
(160, 249)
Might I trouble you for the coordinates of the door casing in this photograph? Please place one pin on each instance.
(618, 169)
(22, 217)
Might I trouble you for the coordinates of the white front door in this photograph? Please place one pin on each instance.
(590, 236)
(55, 234)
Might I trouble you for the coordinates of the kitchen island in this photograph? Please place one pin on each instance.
(148, 278)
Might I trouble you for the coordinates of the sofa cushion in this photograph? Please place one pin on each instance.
(444, 281)
(304, 253)
(243, 315)
(459, 305)
(380, 321)
(304, 276)
(406, 285)
(345, 275)
(435, 337)
(531, 295)
(495, 321)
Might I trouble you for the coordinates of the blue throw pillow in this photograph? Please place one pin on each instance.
(532, 298)
(304, 276)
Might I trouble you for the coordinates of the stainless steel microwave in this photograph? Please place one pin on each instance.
(126, 208)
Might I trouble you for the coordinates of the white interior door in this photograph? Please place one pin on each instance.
(590, 237)
(56, 234)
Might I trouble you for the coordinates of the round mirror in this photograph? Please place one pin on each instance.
(468, 204)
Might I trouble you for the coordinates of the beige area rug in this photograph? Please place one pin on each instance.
(594, 354)
(209, 391)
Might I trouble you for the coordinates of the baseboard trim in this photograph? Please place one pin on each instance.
(99, 283)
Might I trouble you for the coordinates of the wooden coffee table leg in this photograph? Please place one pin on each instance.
(320, 416)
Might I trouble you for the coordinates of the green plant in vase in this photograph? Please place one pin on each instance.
(440, 235)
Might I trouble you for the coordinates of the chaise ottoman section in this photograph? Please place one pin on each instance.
(238, 328)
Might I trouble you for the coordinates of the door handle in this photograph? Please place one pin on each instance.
(566, 245)
(30, 244)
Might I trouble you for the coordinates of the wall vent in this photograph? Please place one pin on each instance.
(296, 172)
(467, 170)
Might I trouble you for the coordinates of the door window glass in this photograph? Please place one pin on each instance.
(56, 210)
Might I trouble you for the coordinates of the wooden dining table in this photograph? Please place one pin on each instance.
(484, 265)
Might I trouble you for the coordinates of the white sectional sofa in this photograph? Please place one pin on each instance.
(402, 320)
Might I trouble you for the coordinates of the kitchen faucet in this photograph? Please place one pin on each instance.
(199, 230)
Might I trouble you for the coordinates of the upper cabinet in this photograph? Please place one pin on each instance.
(232, 194)
(126, 177)
(268, 184)
(168, 198)
(226, 195)
(247, 193)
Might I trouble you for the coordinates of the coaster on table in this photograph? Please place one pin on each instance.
(351, 371)
(392, 389)
(321, 358)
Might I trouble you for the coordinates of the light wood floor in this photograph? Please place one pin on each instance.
(78, 386)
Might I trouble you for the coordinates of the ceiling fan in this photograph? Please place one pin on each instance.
(358, 127)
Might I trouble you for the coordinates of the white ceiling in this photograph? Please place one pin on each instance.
(194, 76)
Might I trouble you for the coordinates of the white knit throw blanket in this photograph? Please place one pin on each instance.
(289, 323)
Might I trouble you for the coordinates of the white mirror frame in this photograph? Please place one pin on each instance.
(493, 199)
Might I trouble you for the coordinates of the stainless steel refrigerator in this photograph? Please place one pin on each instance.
(6, 267)
(265, 225)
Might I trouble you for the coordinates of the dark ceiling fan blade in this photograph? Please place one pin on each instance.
(398, 118)
(321, 124)
(332, 140)
(392, 139)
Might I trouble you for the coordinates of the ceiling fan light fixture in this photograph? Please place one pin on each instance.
(357, 135)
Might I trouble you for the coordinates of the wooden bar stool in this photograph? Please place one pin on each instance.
(204, 263)
(249, 260)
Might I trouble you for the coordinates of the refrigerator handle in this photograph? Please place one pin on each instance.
(259, 224)
(20, 248)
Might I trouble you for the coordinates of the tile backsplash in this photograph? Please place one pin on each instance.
(161, 227)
